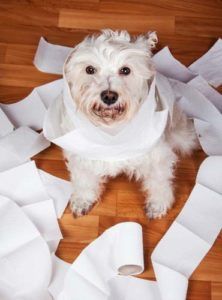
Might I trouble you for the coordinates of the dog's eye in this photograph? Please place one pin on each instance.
(124, 71)
(90, 70)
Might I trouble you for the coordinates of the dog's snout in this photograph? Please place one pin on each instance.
(109, 97)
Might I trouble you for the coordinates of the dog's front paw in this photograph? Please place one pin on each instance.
(156, 209)
(80, 206)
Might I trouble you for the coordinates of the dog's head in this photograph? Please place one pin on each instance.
(109, 74)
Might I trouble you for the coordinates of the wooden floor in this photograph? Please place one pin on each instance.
(189, 27)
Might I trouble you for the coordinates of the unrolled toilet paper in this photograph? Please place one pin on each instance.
(29, 232)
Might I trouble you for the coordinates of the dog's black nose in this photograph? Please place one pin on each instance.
(109, 97)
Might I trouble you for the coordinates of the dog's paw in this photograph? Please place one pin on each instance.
(79, 206)
(156, 209)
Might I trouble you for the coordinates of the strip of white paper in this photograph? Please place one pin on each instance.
(6, 125)
(50, 58)
(28, 112)
(191, 235)
(31, 185)
(27, 184)
(121, 253)
(60, 268)
(19, 146)
(58, 189)
(50, 91)
(91, 142)
(210, 93)
(31, 110)
(43, 216)
(169, 66)
(25, 261)
(209, 66)
(207, 120)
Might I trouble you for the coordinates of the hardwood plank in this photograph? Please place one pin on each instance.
(161, 8)
(69, 251)
(26, 76)
(54, 167)
(85, 19)
(211, 267)
(3, 48)
(206, 27)
(106, 207)
(199, 290)
(73, 4)
(216, 290)
(11, 94)
(20, 54)
(30, 35)
(77, 229)
(130, 204)
(26, 14)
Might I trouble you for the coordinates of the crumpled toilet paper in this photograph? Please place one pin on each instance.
(28, 225)
(95, 274)
(13, 150)
(31, 200)
(29, 230)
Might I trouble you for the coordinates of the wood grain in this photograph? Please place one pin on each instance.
(83, 19)
(189, 27)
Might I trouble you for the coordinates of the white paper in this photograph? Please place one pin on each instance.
(31, 185)
(25, 261)
(58, 189)
(121, 252)
(46, 62)
(209, 66)
(27, 185)
(28, 112)
(168, 65)
(92, 142)
(132, 288)
(43, 216)
(6, 125)
(60, 269)
(31, 110)
(210, 93)
(207, 118)
(210, 174)
(50, 91)
(191, 235)
(19, 146)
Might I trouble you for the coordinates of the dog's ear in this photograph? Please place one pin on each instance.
(147, 41)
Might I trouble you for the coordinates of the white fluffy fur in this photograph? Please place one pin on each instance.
(108, 53)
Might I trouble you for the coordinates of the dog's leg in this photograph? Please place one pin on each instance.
(87, 188)
(157, 182)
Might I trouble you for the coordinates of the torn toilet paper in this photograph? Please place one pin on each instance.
(32, 235)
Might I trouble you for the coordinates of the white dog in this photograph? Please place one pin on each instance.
(109, 77)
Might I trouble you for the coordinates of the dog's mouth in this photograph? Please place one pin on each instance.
(109, 113)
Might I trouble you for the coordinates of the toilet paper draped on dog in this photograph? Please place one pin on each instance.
(89, 141)
(140, 134)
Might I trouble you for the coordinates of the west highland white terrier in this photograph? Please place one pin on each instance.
(109, 77)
